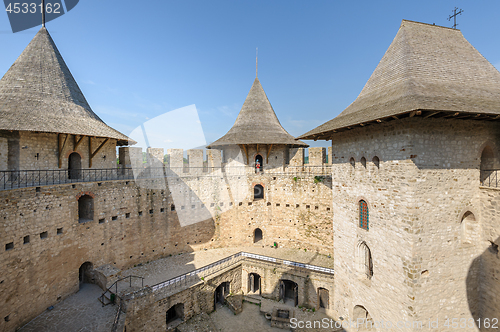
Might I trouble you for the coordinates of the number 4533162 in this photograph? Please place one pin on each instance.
(32, 8)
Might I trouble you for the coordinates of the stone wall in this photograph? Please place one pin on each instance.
(39, 151)
(427, 180)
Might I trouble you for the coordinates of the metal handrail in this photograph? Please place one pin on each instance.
(489, 178)
(220, 264)
(34, 178)
(116, 286)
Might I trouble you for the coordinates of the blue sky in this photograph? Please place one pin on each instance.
(136, 60)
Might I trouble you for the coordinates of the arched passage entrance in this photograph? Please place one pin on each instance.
(289, 292)
(362, 318)
(74, 166)
(220, 293)
(254, 283)
(85, 273)
(487, 165)
(258, 163)
(175, 315)
(323, 298)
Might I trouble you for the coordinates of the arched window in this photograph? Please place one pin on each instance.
(467, 227)
(364, 215)
(487, 165)
(353, 162)
(74, 166)
(258, 163)
(365, 264)
(257, 235)
(363, 161)
(376, 161)
(258, 192)
(85, 208)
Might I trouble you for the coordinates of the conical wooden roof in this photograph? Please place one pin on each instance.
(427, 68)
(257, 123)
(38, 93)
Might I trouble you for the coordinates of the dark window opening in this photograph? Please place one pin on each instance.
(44, 235)
(85, 209)
(172, 207)
(127, 215)
(363, 161)
(74, 166)
(352, 162)
(59, 231)
(376, 161)
(9, 246)
(257, 235)
(26, 239)
(114, 218)
(488, 165)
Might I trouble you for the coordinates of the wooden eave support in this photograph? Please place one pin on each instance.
(451, 115)
(93, 154)
(269, 148)
(395, 117)
(61, 144)
(77, 142)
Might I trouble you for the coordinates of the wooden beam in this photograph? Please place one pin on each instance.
(269, 148)
(257, 148)
(431, 114)
(99, 148)
(395, 117)
(419, 112)
(451, 115)
(412, 114)
(61, 144)
(90, 152)
(78, 142)
(378, 120)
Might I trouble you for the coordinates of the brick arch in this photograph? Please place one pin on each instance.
(256, 183)
(467, 208)
(83, 193)
(70, 152)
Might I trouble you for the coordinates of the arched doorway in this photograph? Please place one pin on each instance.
(221, 293)
(323, 298)
(74, 166)
(254, 283)
(258, 192)
(258, 163)
(365, 322)
(175, 315)
(468, 227)
(257, 235)
(289, 292)
(85, 273)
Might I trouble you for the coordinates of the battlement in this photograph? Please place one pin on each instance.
(193, 162)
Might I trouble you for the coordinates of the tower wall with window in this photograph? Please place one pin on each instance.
(424, 225)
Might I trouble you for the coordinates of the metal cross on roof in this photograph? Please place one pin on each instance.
(43, 13)
(454, 16)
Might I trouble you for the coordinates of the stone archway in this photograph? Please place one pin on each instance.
(85, 275)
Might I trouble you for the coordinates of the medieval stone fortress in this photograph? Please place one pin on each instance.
(397, 221)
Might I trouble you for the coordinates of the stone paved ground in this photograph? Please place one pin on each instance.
(250, 319)
(163, 269)
(81, 312)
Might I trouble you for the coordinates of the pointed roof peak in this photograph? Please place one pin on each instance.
(257, 123)
(39, 93)
(426, 67)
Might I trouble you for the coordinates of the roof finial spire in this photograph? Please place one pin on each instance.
(256, 62)
(43, 13)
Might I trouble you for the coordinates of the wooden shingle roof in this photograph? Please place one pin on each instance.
(257, 123)
(427, 71)
(38, 93)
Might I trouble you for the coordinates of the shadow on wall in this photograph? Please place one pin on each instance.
(483, 287)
